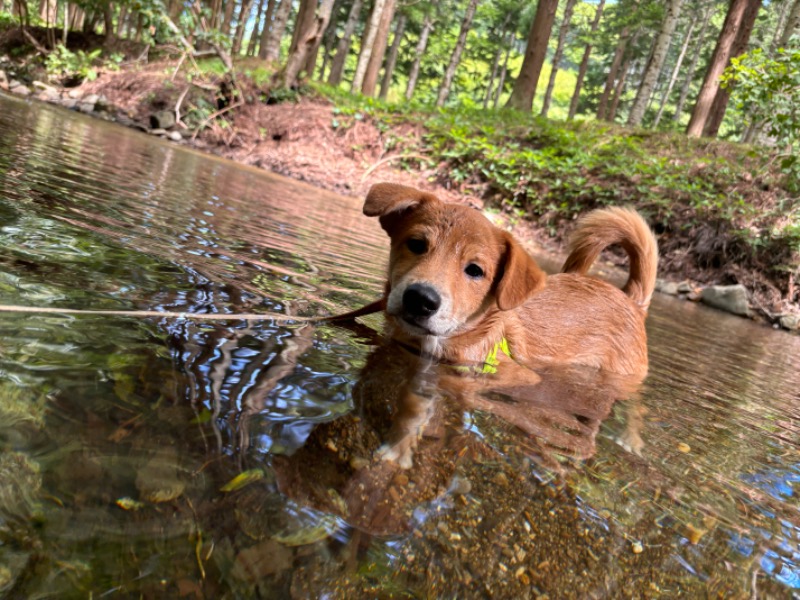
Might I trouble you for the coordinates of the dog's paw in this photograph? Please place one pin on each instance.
(401, 452)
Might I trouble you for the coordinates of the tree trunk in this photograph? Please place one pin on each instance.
(48, 12)
(723, 95)
(343, 47)
(108, 24)
(495, 64)
(418, 53)
(528, 78)
(562, 36)
(792, 25)
(719, 59)
(654, 63)
(676, 69)
(455, 59)
(391, 60)
(272, 49)
(311, 23)
(378, 49)
(255, 35)
(616, 62)
(264, 37)
(619, 89)
(244, 16)
(504, 71)
(227, 19)
(77, 17)
(329, 39)
(123, 14)
(367, 43)
(313, 53)
(697, 51)
(576, 95)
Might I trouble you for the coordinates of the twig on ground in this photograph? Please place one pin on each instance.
(39, 48)
(178, 66)
(214, 115)
(178, 107)
(389, 159)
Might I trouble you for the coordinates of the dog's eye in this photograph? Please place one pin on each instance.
(473, 271)
(417, 246)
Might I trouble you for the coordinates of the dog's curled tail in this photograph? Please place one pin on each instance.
(606, 227)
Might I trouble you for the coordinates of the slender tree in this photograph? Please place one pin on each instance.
(329, 39)
(264, 36)
(256, 33)
(613, 72)
(272, 48)
(687, 38)
(496, 62)
(311, 22)
(313, 51)
(655, 63)
(562, 36)
(244, 15)
(504, 71)
(419, 52)
(528, 78)
(227, 17)
(367, 44)
(719, 59)
(582, 68)
(455, 58)
(696, 52)
(792, 25)
(619, 88)
(391, 60)
(343, 47)
(379, 49)
(723, 95)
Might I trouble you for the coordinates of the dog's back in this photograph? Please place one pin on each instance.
(582, 319)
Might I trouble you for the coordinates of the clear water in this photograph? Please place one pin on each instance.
(169, 458)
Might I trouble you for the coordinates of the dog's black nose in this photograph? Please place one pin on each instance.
(421, 300)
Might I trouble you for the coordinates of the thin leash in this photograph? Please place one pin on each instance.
(368, 309)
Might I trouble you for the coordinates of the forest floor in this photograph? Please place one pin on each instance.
(723, 212)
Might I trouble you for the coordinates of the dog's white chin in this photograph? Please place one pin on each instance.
(422, 331)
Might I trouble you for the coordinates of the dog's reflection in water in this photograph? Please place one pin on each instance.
(411, 425)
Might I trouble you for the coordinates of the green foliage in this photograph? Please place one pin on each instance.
(63, 62)
(768, 89)
(551, 171)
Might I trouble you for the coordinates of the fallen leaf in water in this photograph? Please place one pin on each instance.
(694, 534)
(129, 504)
(159, 480)
(242, 479)
(308, 535)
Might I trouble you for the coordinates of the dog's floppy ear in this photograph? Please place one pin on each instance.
(520, 278)
(389, 200)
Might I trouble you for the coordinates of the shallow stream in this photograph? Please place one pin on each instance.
(164, 457)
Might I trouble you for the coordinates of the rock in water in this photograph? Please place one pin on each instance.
(731, 298)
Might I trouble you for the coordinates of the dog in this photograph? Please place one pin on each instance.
(462, 291)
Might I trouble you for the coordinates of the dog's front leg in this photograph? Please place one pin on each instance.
(415, 408)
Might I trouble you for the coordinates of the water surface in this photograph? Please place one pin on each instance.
(175, 458)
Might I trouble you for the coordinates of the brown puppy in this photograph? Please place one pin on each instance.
(459, 287)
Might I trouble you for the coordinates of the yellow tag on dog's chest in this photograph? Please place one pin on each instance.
(490, 363)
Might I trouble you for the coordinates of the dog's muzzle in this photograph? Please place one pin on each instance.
(420, 301)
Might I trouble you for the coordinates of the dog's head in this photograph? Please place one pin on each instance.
(449, 266)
